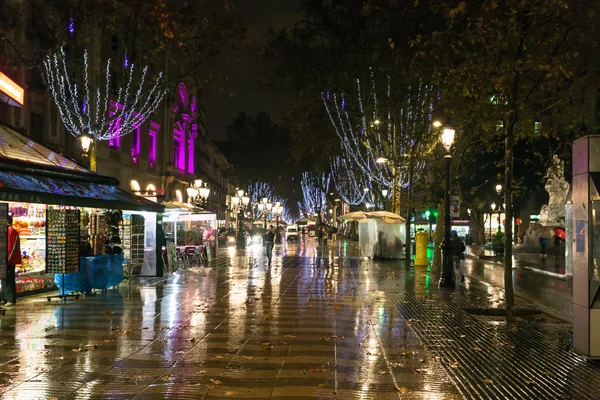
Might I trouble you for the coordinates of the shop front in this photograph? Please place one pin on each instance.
(67, 216)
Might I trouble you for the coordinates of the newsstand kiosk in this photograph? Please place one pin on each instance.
(586, 246)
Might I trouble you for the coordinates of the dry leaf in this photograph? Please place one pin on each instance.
(290, 336)
(336, 307)
(318, 370)
(285, 342)
(230, 393)
(216, 382)
(217, 357)
(192, 340)
(487, 381)
(247, 357)
(76, 350)
(268, 316)
(322, 385)
(403, 389)
(166, 378)
(476, 349)
(202, 371)
(108, 312)
(454, 364)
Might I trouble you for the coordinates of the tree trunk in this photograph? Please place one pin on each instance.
(509, 294)
(409, 212)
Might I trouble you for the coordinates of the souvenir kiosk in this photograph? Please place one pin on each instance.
(63, 211)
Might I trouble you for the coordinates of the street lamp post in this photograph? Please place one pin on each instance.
(493, 206)
(277, 211)
(384, 193)
(264, 208)
(239, 202)
(447, 279)
(198, 193)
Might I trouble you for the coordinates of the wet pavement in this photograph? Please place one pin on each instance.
(551, 294)
(317, 324)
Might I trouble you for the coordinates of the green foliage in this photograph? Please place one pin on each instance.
(498, 240)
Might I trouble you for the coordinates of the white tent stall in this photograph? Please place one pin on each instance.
(381, 234)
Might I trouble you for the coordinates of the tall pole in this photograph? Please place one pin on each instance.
(277, 235)
(447, 279)
(334, 220)
(93, 149)
(499, 217)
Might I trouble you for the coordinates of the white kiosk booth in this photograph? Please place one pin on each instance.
(585, 246)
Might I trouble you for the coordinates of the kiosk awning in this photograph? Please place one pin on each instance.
(32, 173)
(61, 190)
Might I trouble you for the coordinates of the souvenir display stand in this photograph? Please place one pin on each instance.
(3, 244)
(62, 245)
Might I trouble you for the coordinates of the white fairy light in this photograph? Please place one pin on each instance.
(74, 102)
(364, 138)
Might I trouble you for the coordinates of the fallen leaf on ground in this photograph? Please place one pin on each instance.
(76, 350)
(530, 382)
(192, 340)
(290, 336)
(202, 371)
(217, 357)
(403, 389)
(216, 382)
(108, 312)
(454, 364)
(321, 385)
(166, 378)
(230, 393)
(247, 357)
(487, 381)
(336, 307)
(285, 342)
(268, 316)
(476, 349)
(318, 370)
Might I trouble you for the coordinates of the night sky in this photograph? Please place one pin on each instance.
(243, 76)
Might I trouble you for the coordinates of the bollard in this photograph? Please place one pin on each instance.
(421, 249)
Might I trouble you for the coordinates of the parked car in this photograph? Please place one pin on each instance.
(291, 233)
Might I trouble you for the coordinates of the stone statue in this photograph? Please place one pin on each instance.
(557, 187)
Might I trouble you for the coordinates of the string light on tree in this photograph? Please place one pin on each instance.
(80, 116)
(349, 182)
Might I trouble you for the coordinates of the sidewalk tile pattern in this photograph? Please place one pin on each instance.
(316, 325)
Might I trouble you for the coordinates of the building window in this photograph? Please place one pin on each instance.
(134, 185)
(135, 144)
(191, 148)
(152, 141)
(179, 146)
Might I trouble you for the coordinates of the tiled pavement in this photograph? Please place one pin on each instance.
(313, 326)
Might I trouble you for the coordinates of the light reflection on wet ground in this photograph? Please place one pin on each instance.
(320, 323)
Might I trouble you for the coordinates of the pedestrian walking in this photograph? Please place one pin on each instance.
(543, 244)
(458, 254)
(9, 286)
(269, 243)
(320, 236)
